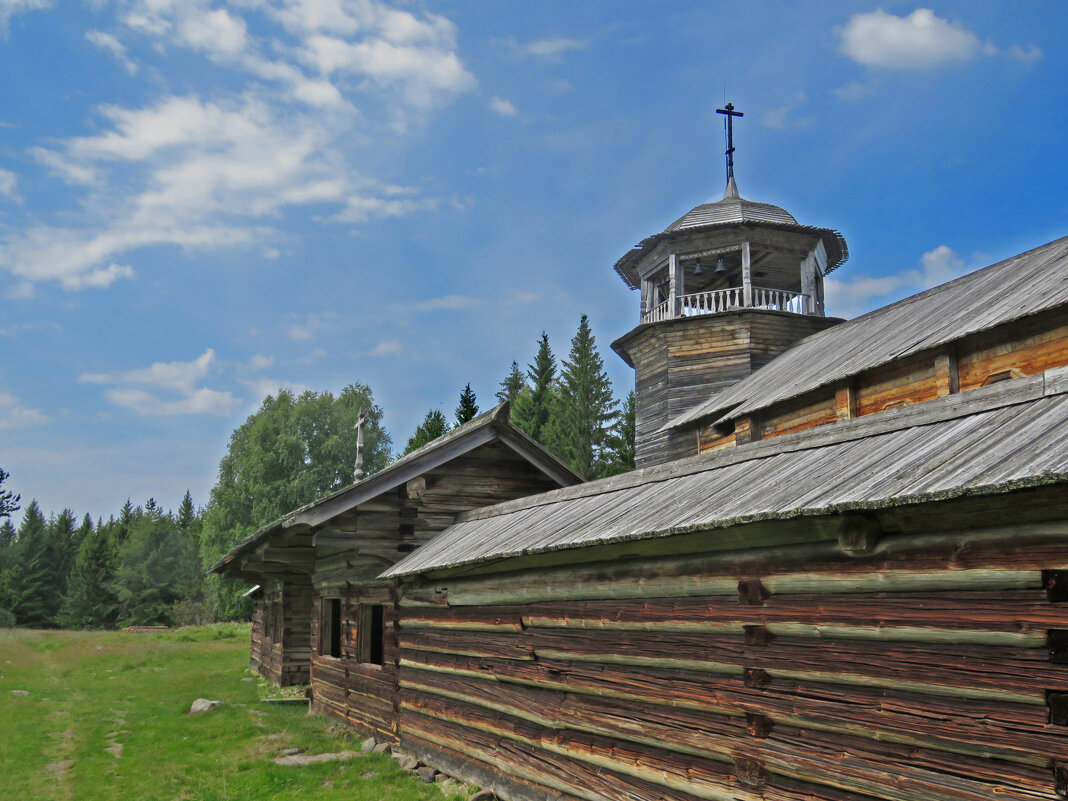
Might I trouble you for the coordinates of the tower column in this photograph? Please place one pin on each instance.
(747, 277)
(676, 285)
(808, 283)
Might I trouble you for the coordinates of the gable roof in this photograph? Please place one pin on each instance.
(487, 427)
(1017, 287)
(985, 441)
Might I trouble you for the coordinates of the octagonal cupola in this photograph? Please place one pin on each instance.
(731, 254)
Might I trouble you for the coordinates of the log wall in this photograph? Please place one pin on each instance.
(358, 694)
(281, 633)
(935, 667)
(679, 363)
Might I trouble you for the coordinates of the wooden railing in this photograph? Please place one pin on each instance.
(779, 299)
(658, 313)
(721, 300)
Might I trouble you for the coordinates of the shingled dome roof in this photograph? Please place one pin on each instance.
(731, 210)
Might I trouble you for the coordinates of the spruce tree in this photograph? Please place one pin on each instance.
(90, 601)
(468, 408)
(532, 412)
(9, 501)
(187, 513)
(512, 384)
(34, 598)
(621, 443)
(584, 414)
(432, 427)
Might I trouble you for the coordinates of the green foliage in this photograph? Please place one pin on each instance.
(621, 442)
(468, 408)
(433, 426)
(90, 602)
(293, 450)
(33, 576)
(9, 501)
(512, 385)
(7, 619)
(584, 414)
(532, 410)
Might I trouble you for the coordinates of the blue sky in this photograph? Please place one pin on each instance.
(201, 201)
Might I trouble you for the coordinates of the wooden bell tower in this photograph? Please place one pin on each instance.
(724, 289)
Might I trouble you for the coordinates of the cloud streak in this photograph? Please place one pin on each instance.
(173, 386)
(862, 294)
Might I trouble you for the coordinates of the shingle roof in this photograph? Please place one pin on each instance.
(489, 425)
(734, 210)
(983, 441)
(1018, 287)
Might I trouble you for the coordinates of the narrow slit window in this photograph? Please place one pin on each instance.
(330, 628)
(372, 634)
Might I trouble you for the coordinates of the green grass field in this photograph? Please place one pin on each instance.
(106, 718)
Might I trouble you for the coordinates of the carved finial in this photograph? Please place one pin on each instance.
(360, 423)
(728, 110)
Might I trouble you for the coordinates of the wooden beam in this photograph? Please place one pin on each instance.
(947, 373)
(845, 399)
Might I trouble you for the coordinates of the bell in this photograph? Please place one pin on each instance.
(721, 268)
(698, 269)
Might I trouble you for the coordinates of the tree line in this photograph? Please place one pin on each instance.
(147, 566)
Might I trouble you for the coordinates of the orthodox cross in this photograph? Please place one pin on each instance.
(731, 114)
(360, 423)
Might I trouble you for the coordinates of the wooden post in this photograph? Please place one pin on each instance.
(648, 296)
(947, 376)
(808, 283)
(845, 400)
(675, 285)
(747, 277)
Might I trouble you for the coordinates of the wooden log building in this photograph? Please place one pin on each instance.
(840, 572)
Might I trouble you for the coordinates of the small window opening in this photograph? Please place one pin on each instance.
(274, 620)
(372, 631)
(1001, 375)
(724, 429)
(330, 628)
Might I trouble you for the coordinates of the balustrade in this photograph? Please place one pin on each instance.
(721, 300)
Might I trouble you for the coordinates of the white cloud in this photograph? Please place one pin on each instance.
(14, 415)
(261, 362)
(551, 48)
(498, 105)
(199, 174)
(12, 8)
(309, 326)
(206, 170)
(1025, 54)
(23, 290)
(171, 378)
(920, 40)
(850, 298)
(854, 90)
(387, 347)
(9, 183)
(445, 302)
(782, 117)
(106, 41)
